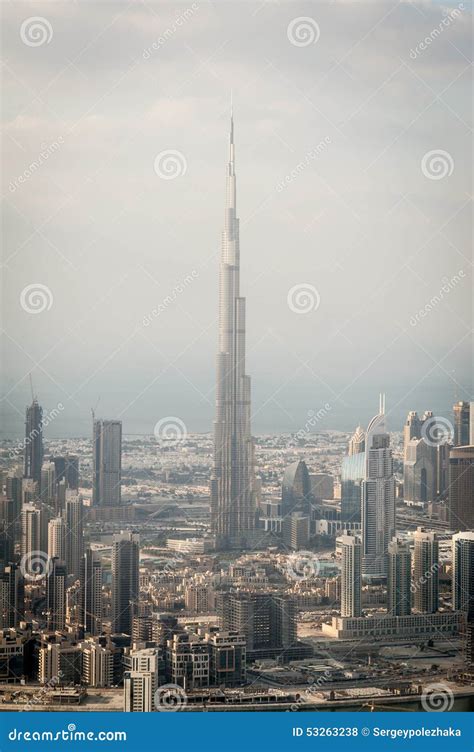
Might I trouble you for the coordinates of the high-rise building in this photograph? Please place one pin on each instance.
(322, 485)
(295, 529)
(461, 488)
(425, 585)
(56, 595)
(91, 593)
(67, 468)
(33, 523)
(12, 605)
(412, 428)
(97, 664)
(357, 442)
(267, 620)
(107, 463)
(125, 580)
(33, 441)
(145, 660)
(48, 484)
(57, 539)
(187, 661)
(352, 476)
(138, 692)
(399, 578)
(351, 575)
(227, 652)
(74, 533)
(463, 573)
(462, 413)
(419, 472)
(295, 489)
(378, 497)
(471, 424)
(233, 500)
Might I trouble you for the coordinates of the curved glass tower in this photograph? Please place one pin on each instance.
(232, 483)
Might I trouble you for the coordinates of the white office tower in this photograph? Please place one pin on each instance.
(463, 573)
(399, 578)
(425, 572)
(351, 554)
(233, 481)
(378, 497)
(57, 539)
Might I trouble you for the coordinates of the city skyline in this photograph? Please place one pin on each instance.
(307, 550)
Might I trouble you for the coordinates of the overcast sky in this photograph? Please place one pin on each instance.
(370, 220)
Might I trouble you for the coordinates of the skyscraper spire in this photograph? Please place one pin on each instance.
(232, 483)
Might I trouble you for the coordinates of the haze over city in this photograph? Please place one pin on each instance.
(332, 197)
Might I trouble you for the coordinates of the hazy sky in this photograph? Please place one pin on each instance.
(371, 220)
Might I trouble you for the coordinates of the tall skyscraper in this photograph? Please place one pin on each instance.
(56, 595)
(57, 539)
(462, 413)
(461, 488)
(125, 580)
(48, 484)
(463, 573)
(352, 477)
(412, 428)
(34, 441)
(233, 483)
(74, 533)
(425, 584)
(12, 605)
(91, 593)
(107, 461)
(419, 472)
(351, 574)
(399, 578)
(378, 497)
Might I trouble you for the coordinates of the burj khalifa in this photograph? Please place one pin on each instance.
(233, 479)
